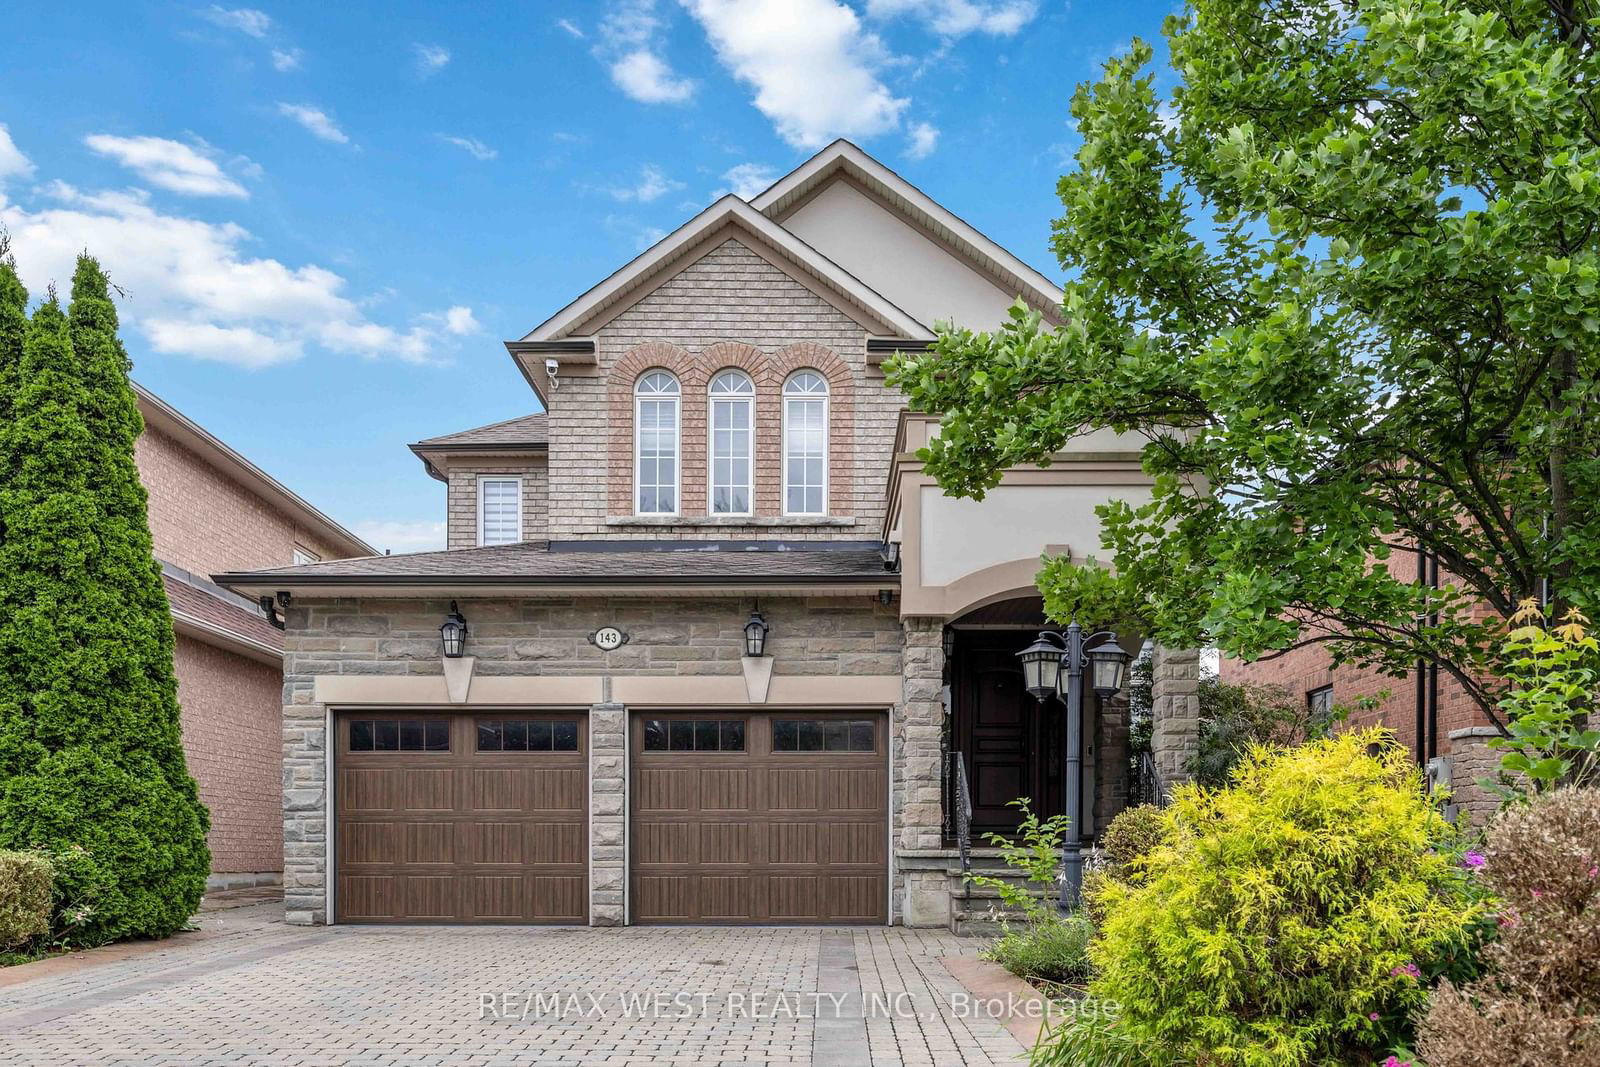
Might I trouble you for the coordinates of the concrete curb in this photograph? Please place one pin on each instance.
(1030, 1013)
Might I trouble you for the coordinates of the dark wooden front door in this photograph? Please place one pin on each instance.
(1012, 746)
(774, 817)
(461, 819)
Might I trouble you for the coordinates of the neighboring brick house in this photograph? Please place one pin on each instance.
(1427, 710)
(608, 743)
(211, 509)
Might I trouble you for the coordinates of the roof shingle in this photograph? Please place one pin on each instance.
(598, 563)
(525, 431)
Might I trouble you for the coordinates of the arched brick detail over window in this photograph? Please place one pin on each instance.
(691, 430)
(841, 421)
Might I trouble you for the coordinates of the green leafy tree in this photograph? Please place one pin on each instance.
(1341, 286)
(1554, 675)
(91, 758)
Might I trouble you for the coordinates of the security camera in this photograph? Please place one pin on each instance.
(551, 369)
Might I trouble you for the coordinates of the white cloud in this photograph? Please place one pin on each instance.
(316, 121)
(631, 47)
(811, 63)
(571, 27)
(653, 185)
(647, 78)
(401, 536)
(471, 145)
(246, 20)
(13, 164)
(431, 58)
(286, 59)
(956, 18)
(924, 139)
(746, 180)
(192, 290)
(167, 164)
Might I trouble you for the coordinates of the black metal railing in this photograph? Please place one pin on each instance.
(1146, 787)
(961, 795)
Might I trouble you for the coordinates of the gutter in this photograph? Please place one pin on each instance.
(281, 581)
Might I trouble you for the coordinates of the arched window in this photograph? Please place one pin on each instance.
(732, 417)
(805, 444)
(655, 415)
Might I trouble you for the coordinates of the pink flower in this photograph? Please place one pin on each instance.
(1374, 1016)
(1396, 1061)
(1409, 970)
(1537, 893)
(1508, 919)
(1472, 860)
(1593, 871)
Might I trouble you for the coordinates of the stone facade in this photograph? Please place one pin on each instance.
(1471, 759)
(850, 636)
(462, 524)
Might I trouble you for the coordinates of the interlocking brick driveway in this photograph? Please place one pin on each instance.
(252, 990)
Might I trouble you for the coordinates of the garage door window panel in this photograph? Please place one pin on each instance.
(527, 735)
(399, 735)
(694, 735)
(823, 735)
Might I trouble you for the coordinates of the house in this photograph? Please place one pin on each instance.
(211, 509)
(706, 643)
(1428, 711)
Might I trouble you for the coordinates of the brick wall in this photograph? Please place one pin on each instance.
(730, 308)
(810, 635)
(232, 737)
(463, 498)
(206, 522)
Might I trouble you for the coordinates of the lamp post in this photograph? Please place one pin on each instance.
(1053, 666)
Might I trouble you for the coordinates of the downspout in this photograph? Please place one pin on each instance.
(1433, 671)
(1422, 745)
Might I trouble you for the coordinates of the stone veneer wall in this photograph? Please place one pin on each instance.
(731, 307)
(669, 637)
(1175, 711)
(462, 526)
(1470, 759)
(917, 757)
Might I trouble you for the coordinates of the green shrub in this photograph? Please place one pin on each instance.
(25, 882)
(1035, 853)
(1281, 917)
(1233, 718)
(1091, 1037)
(1046, 948)
(1539, 1002)
(1130, 836)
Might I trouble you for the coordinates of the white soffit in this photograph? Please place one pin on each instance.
(636, 277)
(841, 158)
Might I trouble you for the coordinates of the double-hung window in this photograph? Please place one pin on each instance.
(805, 444)
(732, 401)
(499, 510)
(655, 411)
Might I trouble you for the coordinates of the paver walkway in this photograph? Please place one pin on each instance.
(249, 989)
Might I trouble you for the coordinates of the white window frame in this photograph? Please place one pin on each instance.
(677, 443)
(827, 437)
(303, 555)
(513, 478)
(749, 401)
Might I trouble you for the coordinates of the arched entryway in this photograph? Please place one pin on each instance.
(1010, 745)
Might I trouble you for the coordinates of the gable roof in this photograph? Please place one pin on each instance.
(636, 277)
(602, 565)
(163, 417)
(525, 433)
(794, 188)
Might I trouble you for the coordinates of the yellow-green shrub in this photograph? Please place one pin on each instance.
(1279, 920)
(25, 882)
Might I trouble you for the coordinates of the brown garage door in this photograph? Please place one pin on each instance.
(469, 818)
(777, 817)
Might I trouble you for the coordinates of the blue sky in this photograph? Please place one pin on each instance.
(327, 217)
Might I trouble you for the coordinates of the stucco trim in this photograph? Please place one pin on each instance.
(430, 689)
(801, 690)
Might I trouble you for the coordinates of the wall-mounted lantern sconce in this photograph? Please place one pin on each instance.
(755, 634)
(453, 633)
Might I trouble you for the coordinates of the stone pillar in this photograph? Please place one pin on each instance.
(305, 782)
(917, 760)
(608, 814)
(1111, 758)
(1470, 759)
(1175, 711)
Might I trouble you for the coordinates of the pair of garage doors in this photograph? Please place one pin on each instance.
(776, 817)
